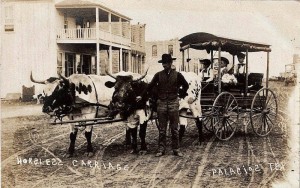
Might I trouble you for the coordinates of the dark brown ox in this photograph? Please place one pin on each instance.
(124, 103)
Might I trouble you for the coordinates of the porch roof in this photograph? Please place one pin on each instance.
(87, 4)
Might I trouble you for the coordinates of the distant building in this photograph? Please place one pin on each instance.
(188, 63)
(296, 62)
(70, 36)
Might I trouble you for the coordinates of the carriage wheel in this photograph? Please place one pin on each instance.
(263, 112)
(209, 121)
(226, 114)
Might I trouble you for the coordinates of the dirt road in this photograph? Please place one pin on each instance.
(33, 155)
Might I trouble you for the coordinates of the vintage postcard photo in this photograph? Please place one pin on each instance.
(161, 93)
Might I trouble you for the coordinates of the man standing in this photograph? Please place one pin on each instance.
(170, 84)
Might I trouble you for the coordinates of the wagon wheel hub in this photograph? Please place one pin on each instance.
(226, 116)
(266, 111)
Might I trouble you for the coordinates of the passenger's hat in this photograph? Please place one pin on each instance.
(240, 55)
(225, 60)
(205, 61)
(166, 58)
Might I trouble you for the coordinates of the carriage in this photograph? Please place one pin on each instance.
(222, 109)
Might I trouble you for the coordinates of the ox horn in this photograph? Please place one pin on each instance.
(36, 81)
(62, 77)
(106, 71)
(143, 76)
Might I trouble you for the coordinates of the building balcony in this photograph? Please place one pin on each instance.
(117, 33)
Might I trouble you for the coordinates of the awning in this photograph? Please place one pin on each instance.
(206, 41)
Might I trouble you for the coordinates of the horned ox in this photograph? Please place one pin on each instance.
(191, 102)
(74, 97)
(124, 103)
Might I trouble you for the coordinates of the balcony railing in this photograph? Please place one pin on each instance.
(84, 33)
(121, 29)
(119, 36)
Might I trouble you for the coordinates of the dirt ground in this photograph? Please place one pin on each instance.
(33, 154)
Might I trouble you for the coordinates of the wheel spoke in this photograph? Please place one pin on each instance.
(232, 121)
(259, 116)
(230, 104)
(265, 124)
(218, 132)
(272, 96)
(226, 107)
(229, 125)
(233, 109)
(273, 114)
(273, 108)
(268, 118)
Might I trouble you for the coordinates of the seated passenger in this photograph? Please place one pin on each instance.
(240, 68)
(223, 68)
(228, 80)
(224, 63)
(206, 73)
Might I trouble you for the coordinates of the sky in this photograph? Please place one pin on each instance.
(276, 23)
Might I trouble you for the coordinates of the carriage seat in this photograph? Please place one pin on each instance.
(255, 81)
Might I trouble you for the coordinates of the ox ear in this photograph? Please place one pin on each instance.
(109, 84)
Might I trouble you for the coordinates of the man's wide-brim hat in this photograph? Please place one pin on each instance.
(240, 55)
(166, 58)
(205, 61)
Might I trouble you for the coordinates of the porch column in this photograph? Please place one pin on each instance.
(97, 44)
(109, 21)
(129, 60)
(143, 64)
(137, 63)
(78, 66)
(121, 60)
(98, 58)
(110, 59)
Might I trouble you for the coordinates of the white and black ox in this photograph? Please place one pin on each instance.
(124, 103)
(127, 86)
(76, 97)
(191, 103)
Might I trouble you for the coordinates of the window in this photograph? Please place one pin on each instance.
(170, 49)
(69, 64)
(9, 19)
(86, 64)
(59, 62)
(154, 51)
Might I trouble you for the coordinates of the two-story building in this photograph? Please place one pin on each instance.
(188, 62)
(70, 36)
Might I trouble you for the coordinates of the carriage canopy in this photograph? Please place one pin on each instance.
(207, 41)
